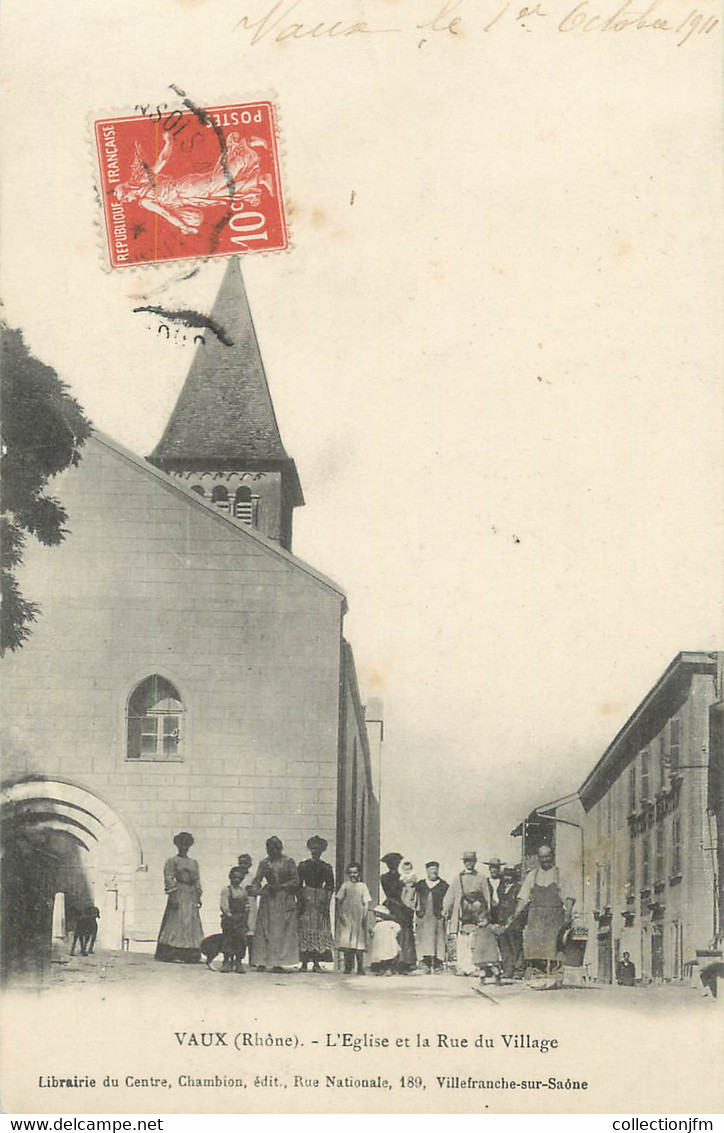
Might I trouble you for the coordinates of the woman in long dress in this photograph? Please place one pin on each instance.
(276, 940)
(316, 879)
(394, 890)
(353, 903)
(180, 935)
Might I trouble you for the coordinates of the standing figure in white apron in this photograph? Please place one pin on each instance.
(548, 896)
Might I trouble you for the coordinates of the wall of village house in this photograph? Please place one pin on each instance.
(684, 887)
(567, 842)
(149, 583)
(359, 840)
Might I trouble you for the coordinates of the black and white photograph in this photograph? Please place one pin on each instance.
(362, 667)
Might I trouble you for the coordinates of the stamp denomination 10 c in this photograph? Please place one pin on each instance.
(192, 183)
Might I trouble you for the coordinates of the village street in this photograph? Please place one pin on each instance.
(115, 971)
(180, 1038)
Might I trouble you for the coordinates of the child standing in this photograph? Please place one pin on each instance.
(234, 921)
(244, 863)
(353, 902)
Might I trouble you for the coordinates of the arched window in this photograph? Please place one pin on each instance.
(155, 720)
(198, 489)
(244, 505)
(220, 498)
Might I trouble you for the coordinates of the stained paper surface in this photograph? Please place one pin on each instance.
(494, 345)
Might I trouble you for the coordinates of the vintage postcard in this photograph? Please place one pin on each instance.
(363, 651)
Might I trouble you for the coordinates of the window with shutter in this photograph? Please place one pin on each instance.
(632, 789)
(632, 866)
(674, 744)
(645, 776)
(676, 845)
(220, 498)
(245, 506)
(646, 862)
(660, 853)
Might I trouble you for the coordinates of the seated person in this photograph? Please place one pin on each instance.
(385, 951)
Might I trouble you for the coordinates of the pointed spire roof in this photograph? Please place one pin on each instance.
(224, 414)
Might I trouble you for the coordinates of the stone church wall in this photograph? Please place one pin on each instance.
(150, 582)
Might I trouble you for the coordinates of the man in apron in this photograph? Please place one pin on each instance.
(549, 899)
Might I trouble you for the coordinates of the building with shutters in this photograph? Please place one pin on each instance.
(187, 671)
(643, 831)
(650, 838)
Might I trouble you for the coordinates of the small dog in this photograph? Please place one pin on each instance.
(211, 946)
(86, 930)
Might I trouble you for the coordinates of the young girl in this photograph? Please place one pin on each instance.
(234, 921)
(353, 902)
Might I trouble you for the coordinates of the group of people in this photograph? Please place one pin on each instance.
(481, 922)
(280, 918)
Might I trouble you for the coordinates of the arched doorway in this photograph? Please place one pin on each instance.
(58, 837)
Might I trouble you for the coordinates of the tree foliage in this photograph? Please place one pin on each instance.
(43, 429)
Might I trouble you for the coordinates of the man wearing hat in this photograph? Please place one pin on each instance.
(466, 910)
(429, 923)
(502, 898)
(316, 879)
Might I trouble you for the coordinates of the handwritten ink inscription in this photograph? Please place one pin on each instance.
(285, 21)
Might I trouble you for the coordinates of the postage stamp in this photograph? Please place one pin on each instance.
(190, 183)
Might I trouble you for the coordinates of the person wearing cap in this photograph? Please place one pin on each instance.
(180, 935)
(465, 909)
(429, 923)
(316, 880)
(393, 886)
(502, 896)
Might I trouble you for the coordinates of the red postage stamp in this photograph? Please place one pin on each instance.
(192, 183)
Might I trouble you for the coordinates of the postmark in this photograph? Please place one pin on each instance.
(190, 183)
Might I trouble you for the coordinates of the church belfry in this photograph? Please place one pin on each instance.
(222, 439)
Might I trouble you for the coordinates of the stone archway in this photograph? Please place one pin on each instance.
(59, 837)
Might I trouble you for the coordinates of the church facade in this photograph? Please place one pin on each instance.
(187, 671)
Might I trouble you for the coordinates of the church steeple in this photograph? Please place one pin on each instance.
(222, 438)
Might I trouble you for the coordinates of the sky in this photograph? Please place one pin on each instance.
(494, 350)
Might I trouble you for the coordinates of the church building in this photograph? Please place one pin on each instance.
(186, 672)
